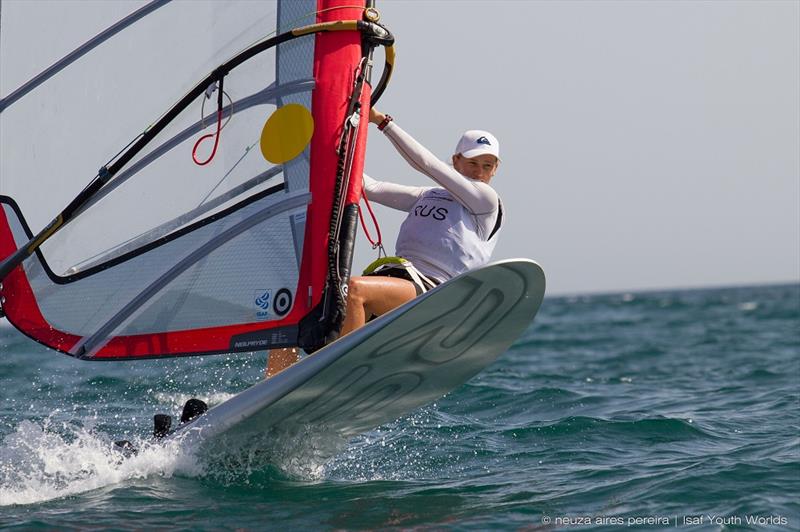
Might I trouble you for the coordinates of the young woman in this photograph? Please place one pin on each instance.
(450, 228)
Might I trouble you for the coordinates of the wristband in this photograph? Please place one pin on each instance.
(385, 122)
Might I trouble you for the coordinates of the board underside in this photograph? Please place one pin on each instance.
(393, 365)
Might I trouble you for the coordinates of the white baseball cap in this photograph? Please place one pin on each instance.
(478, 142)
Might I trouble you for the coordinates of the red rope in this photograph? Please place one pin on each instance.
(204, 137)
(379, 242)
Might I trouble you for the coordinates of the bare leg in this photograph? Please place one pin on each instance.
(374, 295)
(366, 296)
(280, 359)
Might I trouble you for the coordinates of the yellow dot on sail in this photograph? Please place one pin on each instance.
(286, 133)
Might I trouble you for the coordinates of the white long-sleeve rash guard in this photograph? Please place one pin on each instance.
(441, 241)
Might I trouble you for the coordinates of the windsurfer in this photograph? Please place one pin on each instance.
(450, 228)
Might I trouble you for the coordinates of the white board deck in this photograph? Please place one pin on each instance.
(393, 365)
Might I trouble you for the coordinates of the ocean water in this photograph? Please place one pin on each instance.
(654, 410)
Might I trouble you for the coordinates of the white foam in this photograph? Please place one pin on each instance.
(748, 306)
(41, 462)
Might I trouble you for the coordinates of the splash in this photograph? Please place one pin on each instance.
(298, 452)
(173, 401)
(51, 459)
(45, 461)
(423, 445)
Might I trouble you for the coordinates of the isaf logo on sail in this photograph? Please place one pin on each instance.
(262, 300)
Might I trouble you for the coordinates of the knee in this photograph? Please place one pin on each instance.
(356, 290)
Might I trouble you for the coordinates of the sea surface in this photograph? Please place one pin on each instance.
(647, 411)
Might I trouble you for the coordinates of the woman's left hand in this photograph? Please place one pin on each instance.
(375, 116)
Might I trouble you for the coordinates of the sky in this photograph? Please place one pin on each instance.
(644, 145)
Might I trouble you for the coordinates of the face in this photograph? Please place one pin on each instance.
(482, 168)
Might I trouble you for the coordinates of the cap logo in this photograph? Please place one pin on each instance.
(483, 140)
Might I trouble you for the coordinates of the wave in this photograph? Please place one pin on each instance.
(657, 429)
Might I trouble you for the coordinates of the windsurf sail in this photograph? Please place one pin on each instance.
(230, 147)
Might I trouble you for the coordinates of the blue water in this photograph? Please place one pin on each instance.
(647, 411)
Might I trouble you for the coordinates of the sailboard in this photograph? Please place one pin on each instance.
(398, 362)
(204, 160)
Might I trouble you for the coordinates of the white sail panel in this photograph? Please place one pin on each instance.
(62, 130)
(190, 241)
